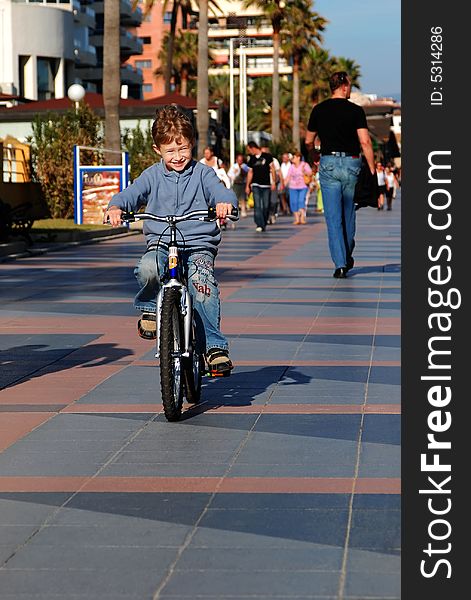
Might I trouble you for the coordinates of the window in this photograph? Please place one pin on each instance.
(147, 88)
(144, 64)
(46, 68)
(146, 39)
(168, 18)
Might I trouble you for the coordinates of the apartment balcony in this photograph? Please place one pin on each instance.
(128, 16)
(85, 17)
(131, 75)
(85, 56)
(129, 43)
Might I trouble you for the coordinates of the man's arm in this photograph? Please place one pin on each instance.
(273, 175)
(367, 148)
(309, 139)
(248, 183)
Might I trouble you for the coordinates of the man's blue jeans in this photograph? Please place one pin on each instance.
(338, 176)
(261, 201)
(203, 288)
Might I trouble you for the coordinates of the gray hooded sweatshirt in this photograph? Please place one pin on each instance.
(165, 192)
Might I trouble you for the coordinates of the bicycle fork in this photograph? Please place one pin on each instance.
(186, 311)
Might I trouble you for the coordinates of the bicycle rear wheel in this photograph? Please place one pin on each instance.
(171, 347)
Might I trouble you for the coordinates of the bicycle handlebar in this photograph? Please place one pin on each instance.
(196, 215)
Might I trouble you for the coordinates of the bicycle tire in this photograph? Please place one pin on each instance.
(171, 346)
(193, 369)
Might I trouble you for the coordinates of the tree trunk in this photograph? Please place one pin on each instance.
(296, 136)
(170, 47)
(202, 103)
(184, 82)
(275, 102)
(111, 76)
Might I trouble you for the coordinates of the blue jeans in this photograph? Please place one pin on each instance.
(261, 202)
(203, 288)
(338, 176)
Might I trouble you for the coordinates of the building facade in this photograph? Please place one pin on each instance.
(46, 45)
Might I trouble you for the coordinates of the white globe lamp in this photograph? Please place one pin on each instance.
(76, 92)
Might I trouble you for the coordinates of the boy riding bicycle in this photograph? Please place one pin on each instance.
(177, 185)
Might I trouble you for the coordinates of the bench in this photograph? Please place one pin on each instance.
(20, 205)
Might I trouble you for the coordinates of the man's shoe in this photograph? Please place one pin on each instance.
(259, 229)
(350, 263)
(340, 273)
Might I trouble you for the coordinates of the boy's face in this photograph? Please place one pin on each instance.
(176, 154)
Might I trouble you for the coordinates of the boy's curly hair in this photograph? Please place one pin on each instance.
(170, 124)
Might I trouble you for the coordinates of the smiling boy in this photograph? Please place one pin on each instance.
(175, 186)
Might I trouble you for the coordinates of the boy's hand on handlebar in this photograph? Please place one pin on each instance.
(223, 209)
(113, 216)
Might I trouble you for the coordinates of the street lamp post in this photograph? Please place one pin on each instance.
(231, 102)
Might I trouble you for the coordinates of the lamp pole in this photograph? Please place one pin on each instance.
(231, 102)
(243, 95)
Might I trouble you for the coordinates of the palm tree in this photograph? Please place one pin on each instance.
(202, 101)
(349, 66)
(274, 10)
(302, 31)
(111, 74)
(183, 6)
(185, 65)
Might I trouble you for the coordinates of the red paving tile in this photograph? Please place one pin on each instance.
(14, 426)
(240, 485)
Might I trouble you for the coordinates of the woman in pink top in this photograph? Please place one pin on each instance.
(298, 187)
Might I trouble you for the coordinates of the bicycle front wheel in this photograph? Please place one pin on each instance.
(171, 347)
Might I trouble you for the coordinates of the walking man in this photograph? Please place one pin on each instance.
(261, 177)
(343, 133)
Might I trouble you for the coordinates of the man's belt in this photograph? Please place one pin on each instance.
(340, 154)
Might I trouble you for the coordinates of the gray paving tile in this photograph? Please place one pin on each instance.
(165, 470)
(378, 530)
(14, 511)
(372, 585)
(362, 560)
(92, 558)
(13, 535)
(322, 558)
(14, 462)
(217, 584)
(319, 526)
(71, 581)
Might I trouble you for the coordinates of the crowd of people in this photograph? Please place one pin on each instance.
(269, 187)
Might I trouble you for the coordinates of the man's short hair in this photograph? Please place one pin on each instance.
(337, 79)
(253, 144)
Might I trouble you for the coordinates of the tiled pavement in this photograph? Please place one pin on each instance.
(284, 483)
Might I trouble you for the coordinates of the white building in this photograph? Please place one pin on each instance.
(46, 45)
(37, 48)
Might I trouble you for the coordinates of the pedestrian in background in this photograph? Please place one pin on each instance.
(381, 175)
(343, 133)
(284, 194)
(261, 181)
(238, 177)
(298, 175)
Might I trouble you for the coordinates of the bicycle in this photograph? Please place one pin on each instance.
(182, 362)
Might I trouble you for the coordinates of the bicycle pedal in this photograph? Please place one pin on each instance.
(215, 373)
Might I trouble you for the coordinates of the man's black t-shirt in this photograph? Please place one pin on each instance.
(336, 121)
(261, 169)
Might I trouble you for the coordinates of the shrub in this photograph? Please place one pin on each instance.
(138, 144)
(52, 142)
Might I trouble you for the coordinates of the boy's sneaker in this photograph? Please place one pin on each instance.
(218, 360)
(147, 326)
(259, 229)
